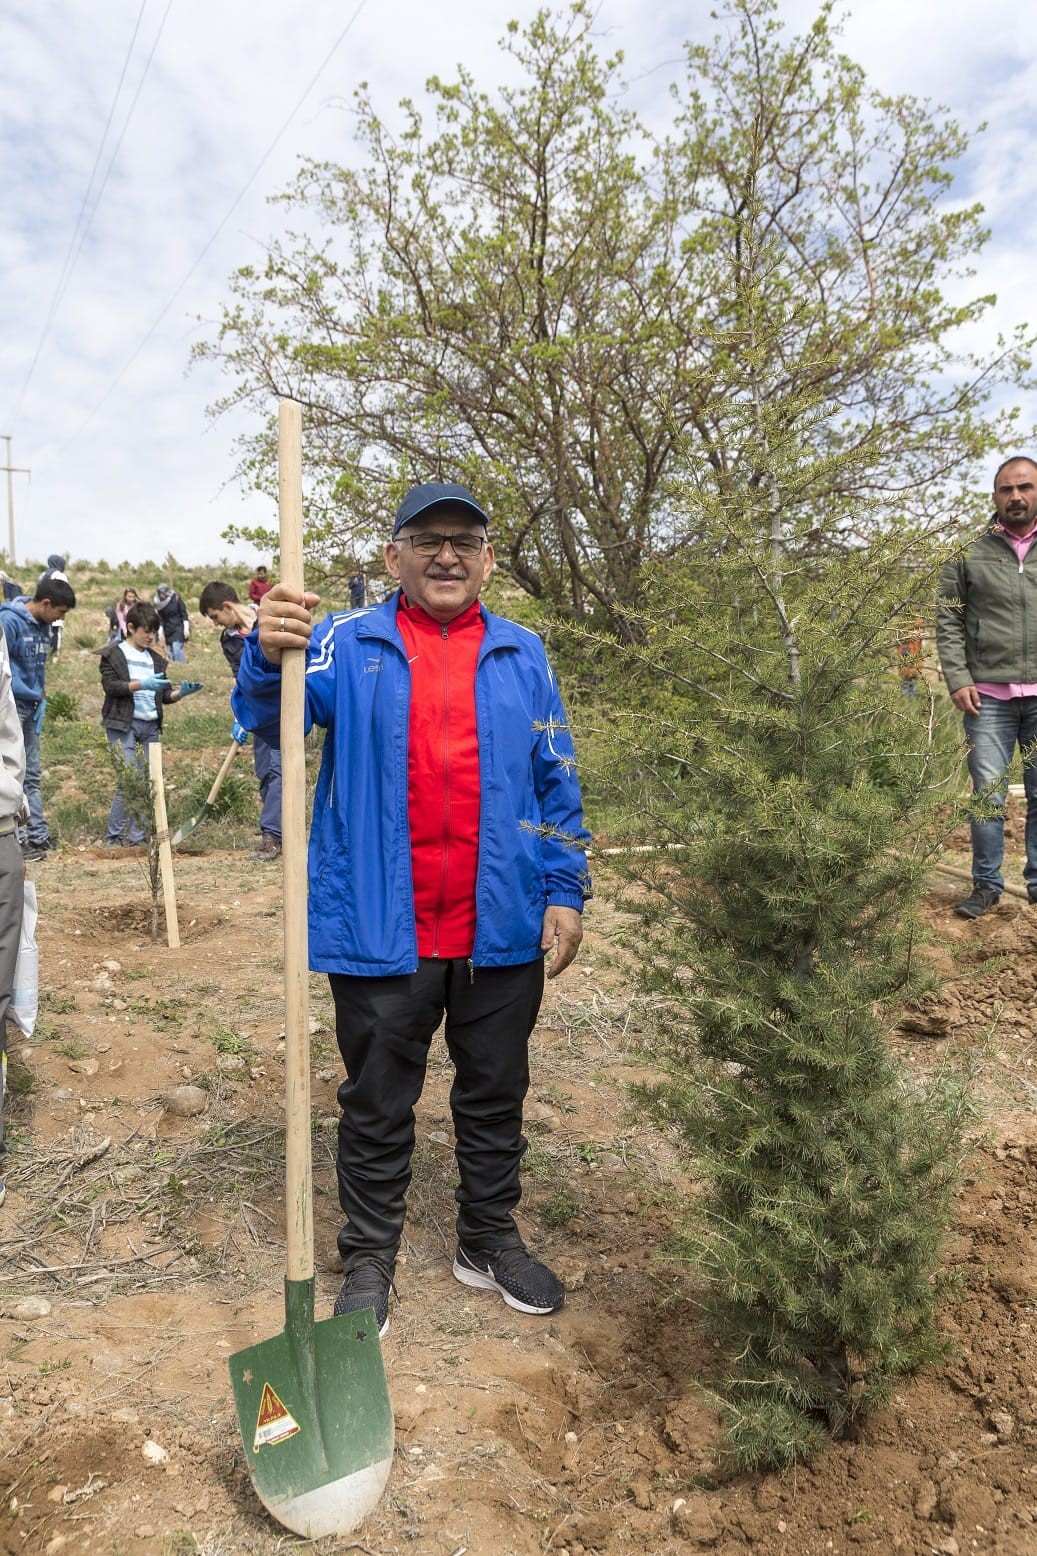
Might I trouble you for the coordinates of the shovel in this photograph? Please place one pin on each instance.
(210, 799)
(313, 1403)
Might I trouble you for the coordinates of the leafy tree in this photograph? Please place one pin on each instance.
(526, 296)
(864, 249)
(796, 784)
(502, 302)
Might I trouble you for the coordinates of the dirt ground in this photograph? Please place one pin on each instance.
(157, 1242)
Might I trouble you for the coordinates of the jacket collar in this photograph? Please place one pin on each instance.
(380, 623)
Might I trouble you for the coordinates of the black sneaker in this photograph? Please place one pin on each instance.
(33, 851)
(979, 901)
(367, 1284)
(522, 1282)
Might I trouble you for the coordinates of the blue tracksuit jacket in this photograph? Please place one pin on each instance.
(531, 832)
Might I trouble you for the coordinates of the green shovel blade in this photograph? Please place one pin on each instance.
(315, 1417)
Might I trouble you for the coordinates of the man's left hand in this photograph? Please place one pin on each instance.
(563, 929)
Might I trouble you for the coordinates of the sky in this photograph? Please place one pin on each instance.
(115, 249)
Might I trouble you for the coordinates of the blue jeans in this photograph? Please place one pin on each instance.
(993, 734)
(176, 650)
(37, 827)
(133, 743)
(12, 888)
(267, 759)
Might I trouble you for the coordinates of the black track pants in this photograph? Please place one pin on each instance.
(384, 1028)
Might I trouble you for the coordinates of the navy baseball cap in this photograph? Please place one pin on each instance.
(436, 494)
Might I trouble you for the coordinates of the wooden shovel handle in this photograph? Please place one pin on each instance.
(210, 798)
(298, 1159)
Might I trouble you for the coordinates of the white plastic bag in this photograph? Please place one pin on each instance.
(25, 996)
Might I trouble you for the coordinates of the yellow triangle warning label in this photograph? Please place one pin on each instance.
(275, 1421)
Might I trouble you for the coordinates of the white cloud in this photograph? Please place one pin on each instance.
(146, 474)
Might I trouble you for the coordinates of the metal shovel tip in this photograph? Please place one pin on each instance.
(315, 1418)
(336, 1508)
(189, 826)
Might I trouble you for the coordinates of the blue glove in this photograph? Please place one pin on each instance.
(188, 687)
(37, 718)
(239, 732)
(154, 683)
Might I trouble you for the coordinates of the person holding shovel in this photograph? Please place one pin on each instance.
(219, 603)
(446, 859)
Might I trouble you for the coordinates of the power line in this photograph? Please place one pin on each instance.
(126, 123)
(226, 218)
(70, 257)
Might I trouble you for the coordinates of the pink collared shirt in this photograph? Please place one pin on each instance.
(1004, 690)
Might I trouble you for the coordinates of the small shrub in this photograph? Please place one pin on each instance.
(563, 1206)
(63, 708)
(235, 801)
(21, 1082)
(58, 1004)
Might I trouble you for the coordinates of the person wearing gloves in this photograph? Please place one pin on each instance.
(446, 861)
(176, 623)
(135, 691)
(219, 603)
(12, 865)
(26, 624)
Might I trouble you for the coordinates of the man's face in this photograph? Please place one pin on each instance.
(261, 574)
(1015, 496)
(141, 637)
(223, 615)
(49, 613)
(444, 584)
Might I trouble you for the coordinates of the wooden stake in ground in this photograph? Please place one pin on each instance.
(165, 853)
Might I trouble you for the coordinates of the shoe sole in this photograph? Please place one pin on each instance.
(484, 1281)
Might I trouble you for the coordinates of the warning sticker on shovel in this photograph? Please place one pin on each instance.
(275, 1422)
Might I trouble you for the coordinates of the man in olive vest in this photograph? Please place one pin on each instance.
(986, 635)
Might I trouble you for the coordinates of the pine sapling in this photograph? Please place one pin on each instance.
(761, 727)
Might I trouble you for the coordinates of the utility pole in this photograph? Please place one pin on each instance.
(12, 471)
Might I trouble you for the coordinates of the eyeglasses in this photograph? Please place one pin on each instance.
(428, 543)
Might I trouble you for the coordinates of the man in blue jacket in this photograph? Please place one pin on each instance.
(26, 625)
(446, 858)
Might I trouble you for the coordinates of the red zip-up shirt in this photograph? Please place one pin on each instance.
(443, 775)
